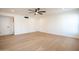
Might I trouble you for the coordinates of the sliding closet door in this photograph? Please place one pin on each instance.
(6, 25)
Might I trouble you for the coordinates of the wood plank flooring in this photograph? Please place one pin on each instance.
(38, 41)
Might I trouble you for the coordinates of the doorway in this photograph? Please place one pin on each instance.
(6, 25)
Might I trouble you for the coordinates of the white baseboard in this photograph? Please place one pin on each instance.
(71, 36)
(24, 33)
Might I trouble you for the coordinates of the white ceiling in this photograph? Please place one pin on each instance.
(24, 11)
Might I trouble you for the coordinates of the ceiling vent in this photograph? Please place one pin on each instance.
(26, 17)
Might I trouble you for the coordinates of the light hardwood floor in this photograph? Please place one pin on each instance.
(38, 41)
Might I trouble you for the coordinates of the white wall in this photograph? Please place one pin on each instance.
(66, 24)
(22, 25)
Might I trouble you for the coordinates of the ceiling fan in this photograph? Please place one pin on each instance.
(36, 11)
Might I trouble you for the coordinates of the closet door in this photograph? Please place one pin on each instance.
(6, 25)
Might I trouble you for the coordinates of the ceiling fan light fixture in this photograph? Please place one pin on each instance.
(37, 11)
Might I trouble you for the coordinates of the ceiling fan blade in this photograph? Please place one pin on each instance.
(35, 14)
(38, 8)
(42, 11)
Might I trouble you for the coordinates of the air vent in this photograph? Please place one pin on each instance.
(26, 17)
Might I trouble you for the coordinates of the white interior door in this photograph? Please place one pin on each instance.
(6, 25)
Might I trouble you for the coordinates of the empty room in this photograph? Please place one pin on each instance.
(39, 29)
